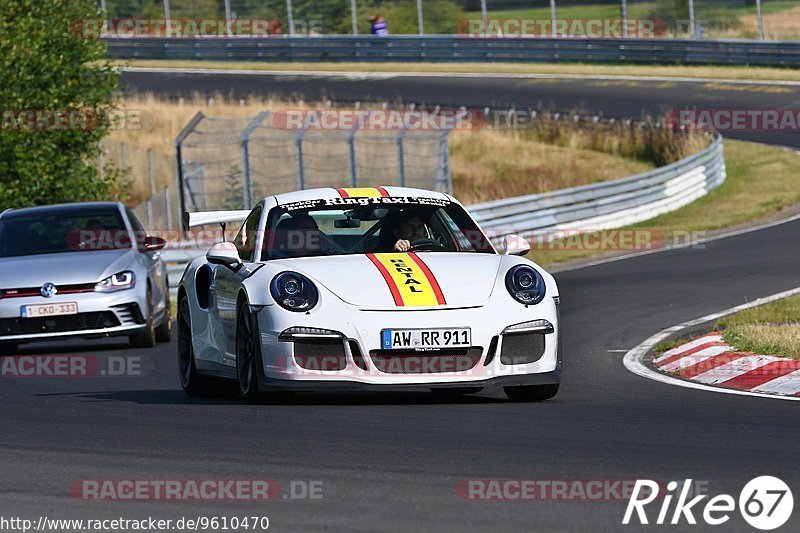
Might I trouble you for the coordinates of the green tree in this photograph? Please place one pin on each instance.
(46, 66)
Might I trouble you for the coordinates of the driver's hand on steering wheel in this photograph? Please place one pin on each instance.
(402, 245)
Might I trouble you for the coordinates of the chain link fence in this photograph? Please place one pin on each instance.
(231, 163)
(223, 163)
(150, 182)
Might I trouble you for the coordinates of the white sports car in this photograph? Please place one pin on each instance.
(384, 287)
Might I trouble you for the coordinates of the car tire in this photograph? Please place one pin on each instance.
(164, 330)
(454, 392)
(192, 383)
(531, 393)
(147, 337)
(248, 354)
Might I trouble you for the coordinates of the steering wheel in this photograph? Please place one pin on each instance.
(425, 244)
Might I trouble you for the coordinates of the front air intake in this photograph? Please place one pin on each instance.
(522, 348)
(320, 354)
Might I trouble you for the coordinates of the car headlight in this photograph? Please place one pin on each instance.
(117, 282)
(525, 284)
(294, 291)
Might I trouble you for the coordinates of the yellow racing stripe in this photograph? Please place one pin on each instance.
(410, 280)
(362, 192)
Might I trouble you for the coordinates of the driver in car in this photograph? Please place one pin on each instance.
(400, 230)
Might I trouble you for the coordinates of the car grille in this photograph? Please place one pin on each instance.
(450, 360)
(34, 291)
(522, 348)
(58, 324)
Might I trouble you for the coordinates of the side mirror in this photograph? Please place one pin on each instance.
(515, 245)
(224, 253)
(152, 244)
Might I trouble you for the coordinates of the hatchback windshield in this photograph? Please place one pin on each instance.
(56, 231)
(370, 225)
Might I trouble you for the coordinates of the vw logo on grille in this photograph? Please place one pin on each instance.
(48, 290)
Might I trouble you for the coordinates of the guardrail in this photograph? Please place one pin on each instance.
(598, 206)
(609, 204)
(461, 48)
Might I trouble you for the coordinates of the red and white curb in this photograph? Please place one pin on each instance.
(714, 374)
(710, 360)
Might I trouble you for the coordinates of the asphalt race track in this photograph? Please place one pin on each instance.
(614, 98)
(392, 461)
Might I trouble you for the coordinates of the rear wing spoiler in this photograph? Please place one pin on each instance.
(191, 220)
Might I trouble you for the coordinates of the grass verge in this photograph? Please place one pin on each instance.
(771, 329)
(568, 69)
(761, 181)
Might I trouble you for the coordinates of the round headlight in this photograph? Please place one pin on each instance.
(294, 291)
(291, 286)
(525, 284)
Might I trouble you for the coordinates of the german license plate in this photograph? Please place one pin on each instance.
(422, 339)
(38, 311)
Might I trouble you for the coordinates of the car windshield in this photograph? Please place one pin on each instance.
(370, 225)
(50, 232)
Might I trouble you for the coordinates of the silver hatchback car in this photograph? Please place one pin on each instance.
(83, 270)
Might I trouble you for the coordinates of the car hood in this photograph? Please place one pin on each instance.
(62, 268)
(463, 279)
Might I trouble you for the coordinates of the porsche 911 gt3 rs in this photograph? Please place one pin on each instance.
(366, 288)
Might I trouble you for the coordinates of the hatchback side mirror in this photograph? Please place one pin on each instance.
(152, 244)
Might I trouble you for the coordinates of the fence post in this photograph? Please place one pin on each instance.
(152, 171)
(298, 155)
(624, 15)
(247, 186)
(179, 159)
(351, 148)
(401, 160)
(290, 15)
(444, 180)
(168, 204)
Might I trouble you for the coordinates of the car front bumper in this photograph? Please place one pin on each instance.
(99, 315)
(362, 365)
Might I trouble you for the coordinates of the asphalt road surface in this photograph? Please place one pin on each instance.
(614, 98)
(392, 461)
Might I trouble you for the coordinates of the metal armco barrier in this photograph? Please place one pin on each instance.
(399, 48)
(609, 204)
(606, 205)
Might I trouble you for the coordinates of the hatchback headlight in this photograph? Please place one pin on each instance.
(117, 282)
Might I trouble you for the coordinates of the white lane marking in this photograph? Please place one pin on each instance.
(788, 384)
(669, 248)
(633, 359)
(695, 358)
(617, 351)
(705, 339)
(735, 368)
(414, 74)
